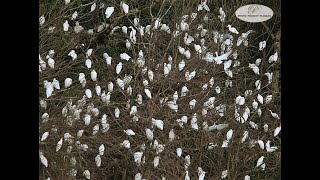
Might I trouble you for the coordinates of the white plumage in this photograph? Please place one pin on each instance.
(98, 90)
(179, 152)
(88, 93)
(66, 26)
(93, 75)
(119, 68)
(116, 112)
(181, 65)
(86, 174)
(124, 56)
(156, 161)
(109, 11)
(88, 63)
(129, 132)
(98, 160)
(44, 136)
(229, 134)
(148, 93)
(171, 135)
(158, 123)
(43, 159)
(149, 134)
(277, 131)
(126, 144)
(110, 86)
(260, 161)
(125, 7)
(260, 99)
(232, 29)
(240, 100)
(120, 83)
(101, 149)
(51, 63)
(59, 145)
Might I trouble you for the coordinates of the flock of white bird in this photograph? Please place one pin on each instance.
(252, 102)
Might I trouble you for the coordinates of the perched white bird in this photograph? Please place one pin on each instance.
(74, 15)
(188, 39)
(171, 135)
(240, 100)
(150, 75)
(194, 124)
(187, 161)
(88, 63)
(269, 75)
(179, 152)
(158, 123)
(124, 56)
(156, 161)
(98, 90)
(201, 173)
(260, 161)
(149, 134)
(260, 99)
(247, 177)
(261, 144)
(119, 67)
(42, 20)
(262, 45)
(73, 54)
(270, 149)
(268, 99)
(218, 90)
(173, 106)
(44, 136)
(258, 84)
(116, 112)
(86, 174)
(184, 91)
(66, 2)
(254, 68)
(181, 65)
(259, 111)
(229, 134)
(254, 105)
(55, 83)
(88, 93)
(273, 58)
(89, 52)
(232, 29)
(109, 11)
(192, 103)
(125, 7)
(51, 63)
(277, 131)
(120, 83)
(245, 136)
(187, 177)
(197, 48)
(93, 75)
(108, 58)
(224, 174)
(128, 44)
(266, 128)
(175, 96)
(138, 176)
(187, 54)
(129, 132)
(59, 145)
(126, 144)
(49, 89)
(98, 160)
(66, 26)
(258, 62)
(87, 119)
(43, 159)
(124, 29)
(101, 149)
(148, 93)
(133, 110)
(137, 157)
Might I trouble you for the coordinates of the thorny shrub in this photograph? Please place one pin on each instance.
(227, 128)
